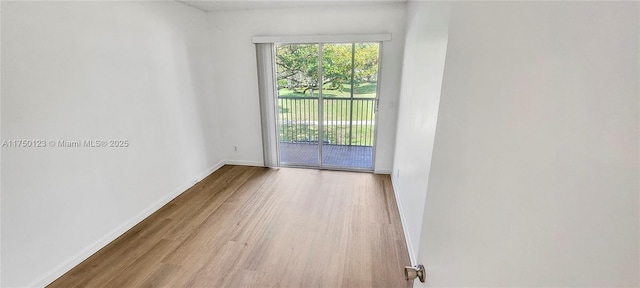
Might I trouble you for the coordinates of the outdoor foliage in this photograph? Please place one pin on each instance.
(345, 120)
(299, 121)
(298, 66)
(333, 134)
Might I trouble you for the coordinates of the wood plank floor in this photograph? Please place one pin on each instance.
(260, 227)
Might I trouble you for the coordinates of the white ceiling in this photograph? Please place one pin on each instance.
(222, 5)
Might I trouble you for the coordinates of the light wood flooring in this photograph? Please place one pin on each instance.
(260, 227)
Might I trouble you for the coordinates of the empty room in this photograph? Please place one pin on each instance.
(357, 143)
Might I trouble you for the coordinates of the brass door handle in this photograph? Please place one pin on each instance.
(414, 272)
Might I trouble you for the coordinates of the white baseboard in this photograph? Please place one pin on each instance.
(208, 172)
(244, 163)
(382, 171)
(101, 243)
(412, 252)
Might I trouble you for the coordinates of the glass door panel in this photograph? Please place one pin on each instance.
(298, 99)
(326, 114)
(349, 98)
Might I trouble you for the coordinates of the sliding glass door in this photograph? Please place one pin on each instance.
(298, 95)
(326, 99)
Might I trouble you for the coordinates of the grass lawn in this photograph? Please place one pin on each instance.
(364, 90)
(336, 111)
(333, 110)
(333, 134)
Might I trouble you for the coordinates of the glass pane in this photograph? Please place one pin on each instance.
(336, 92)
(297, 86)
(365, 89)
(349, 92)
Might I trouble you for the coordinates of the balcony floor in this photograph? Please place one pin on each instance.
(306, 154)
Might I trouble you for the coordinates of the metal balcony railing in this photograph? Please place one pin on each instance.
(346, 121)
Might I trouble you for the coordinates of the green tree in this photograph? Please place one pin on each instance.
(298, 65)
(366, 62)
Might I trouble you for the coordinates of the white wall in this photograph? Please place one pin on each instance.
(99, 70)
(0, 152)
(236, 76)
(424, 56)
(534, 174)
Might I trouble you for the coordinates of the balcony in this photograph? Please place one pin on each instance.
(348, 129)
